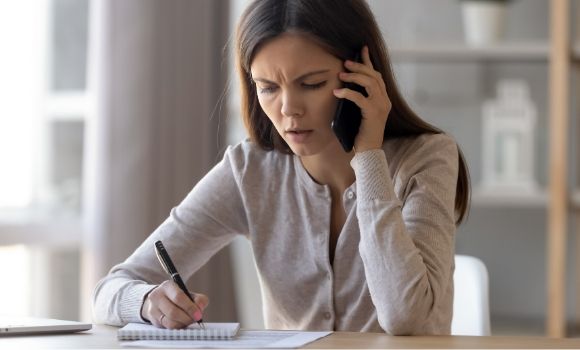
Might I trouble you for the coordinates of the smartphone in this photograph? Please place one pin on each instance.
(347, 119)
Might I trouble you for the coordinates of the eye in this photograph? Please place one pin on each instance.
(267, 89)
(314, 86)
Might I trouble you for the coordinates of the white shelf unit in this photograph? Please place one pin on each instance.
(500, 52)
(450, 52)
(561, 56)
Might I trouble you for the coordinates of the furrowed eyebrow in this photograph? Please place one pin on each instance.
(302, 77)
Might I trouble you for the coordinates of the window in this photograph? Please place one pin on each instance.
(43, 66)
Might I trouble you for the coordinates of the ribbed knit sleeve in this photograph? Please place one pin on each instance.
(209, 217)
(407, 244)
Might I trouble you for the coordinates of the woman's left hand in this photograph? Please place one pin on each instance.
(375, 107)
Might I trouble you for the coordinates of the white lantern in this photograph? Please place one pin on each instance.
(508, 139)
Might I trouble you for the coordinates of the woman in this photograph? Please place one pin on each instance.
(353, 241)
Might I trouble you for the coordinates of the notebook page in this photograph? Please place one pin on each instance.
(245, 340)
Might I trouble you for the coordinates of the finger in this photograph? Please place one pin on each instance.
(351, 95)
(358, 67)
(156, 317)
(175, 317)
(176, 302)
(192, 308)
(366, 57)
(365, 68)
(201, 300)
(365, 81)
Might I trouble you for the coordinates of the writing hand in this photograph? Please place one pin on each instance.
(167, 306)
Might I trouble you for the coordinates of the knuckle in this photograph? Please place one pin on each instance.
(165, 287)
(149, 308)
(164, 284)
(181, 299)
(155, 294)
(172, 292)
(172, 314)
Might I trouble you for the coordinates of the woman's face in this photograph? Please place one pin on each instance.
(294, 79)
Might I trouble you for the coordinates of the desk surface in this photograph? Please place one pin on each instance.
(105, 337)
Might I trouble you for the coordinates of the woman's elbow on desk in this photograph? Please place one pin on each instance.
(409, 325)
(418, 316)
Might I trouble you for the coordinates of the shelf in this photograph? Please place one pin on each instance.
(533, 51)
(576, 52)
(575, 199)
(532, 200)
(484, 198)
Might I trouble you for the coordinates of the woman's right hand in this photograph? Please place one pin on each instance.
(167, 306)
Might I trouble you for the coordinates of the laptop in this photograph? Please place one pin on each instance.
(10, 325)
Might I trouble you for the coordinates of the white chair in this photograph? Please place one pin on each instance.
(471, 300)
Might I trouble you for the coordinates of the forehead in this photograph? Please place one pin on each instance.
(290, 54)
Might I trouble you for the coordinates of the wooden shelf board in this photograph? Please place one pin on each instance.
(533, 51)
(517, 200)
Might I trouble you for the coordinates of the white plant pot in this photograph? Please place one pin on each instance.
(483, 21)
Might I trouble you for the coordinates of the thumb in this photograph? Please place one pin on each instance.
(201, 300)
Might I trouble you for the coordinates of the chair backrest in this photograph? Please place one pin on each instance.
(471, 299)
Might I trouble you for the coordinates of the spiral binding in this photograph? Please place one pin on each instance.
(176, 334)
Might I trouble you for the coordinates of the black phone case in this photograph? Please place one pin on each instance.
(347, 118)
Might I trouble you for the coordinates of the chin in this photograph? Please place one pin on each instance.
(303, 150)
(312, 149)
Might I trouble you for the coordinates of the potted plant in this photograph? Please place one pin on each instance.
(483, 20)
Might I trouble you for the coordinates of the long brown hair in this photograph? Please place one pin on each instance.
(341, 27)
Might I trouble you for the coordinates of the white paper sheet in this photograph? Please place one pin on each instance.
(244, 340)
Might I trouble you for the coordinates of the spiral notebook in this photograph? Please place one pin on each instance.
(212, 331)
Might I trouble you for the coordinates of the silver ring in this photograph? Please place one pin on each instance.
(161, 319)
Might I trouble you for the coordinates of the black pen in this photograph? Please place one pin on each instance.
(168, 266)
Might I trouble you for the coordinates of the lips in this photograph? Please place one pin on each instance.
(298, 131)
(299, 135)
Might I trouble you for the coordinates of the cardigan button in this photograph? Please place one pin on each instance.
(327, 315)
(350, 195)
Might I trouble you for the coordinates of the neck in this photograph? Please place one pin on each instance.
(331, 167)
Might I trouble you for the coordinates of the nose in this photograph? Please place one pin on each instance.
(292, 105)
